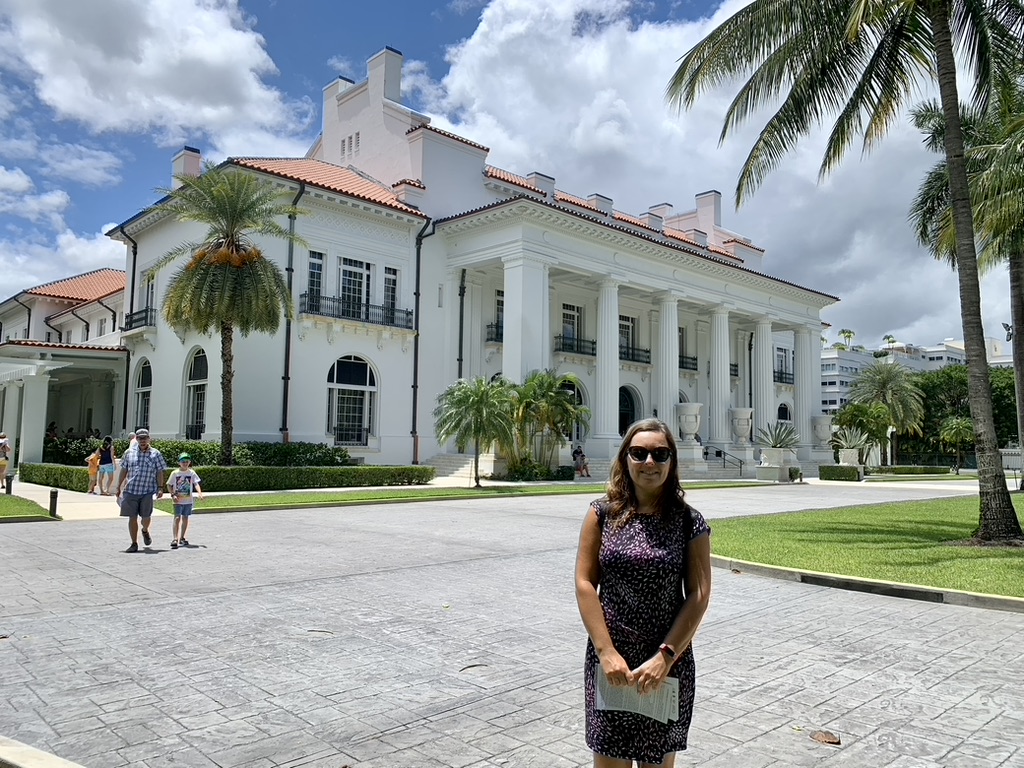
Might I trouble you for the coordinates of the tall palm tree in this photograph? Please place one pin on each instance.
(847, 335)
(226, 282)
(546, 413)
(870, 418)
(861, 60)
(931, 213)
(893, 386)
(475, 411)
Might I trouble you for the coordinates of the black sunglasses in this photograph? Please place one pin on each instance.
(639, 455)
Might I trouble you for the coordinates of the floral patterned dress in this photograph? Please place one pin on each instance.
(642, 568)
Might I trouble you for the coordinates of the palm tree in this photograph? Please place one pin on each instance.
(891, 385)
(931, 214)
(890, 340)
(478, 411)
(861, 60)
(870, 418)
(957, 431)
(847, 335)
(226, 283)
(546, 412)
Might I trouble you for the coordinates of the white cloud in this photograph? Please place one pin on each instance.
(184, 69)
(344, 66)
(88, 166)
(68, 253)
(575, 89)
(14, 181)
(16, 200)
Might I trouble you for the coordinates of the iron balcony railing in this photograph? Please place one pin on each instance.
(351, 436)
(634, 354)
(496, 332)
(343, 309)
(734, 369)
(687, 363)
(579, 346)
(141, 318)
(783, 377)
(194, 431)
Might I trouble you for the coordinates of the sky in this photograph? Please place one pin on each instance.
(96, 97)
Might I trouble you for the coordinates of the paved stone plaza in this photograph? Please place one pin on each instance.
(446, 634)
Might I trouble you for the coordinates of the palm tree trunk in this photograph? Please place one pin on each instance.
(1017, 324)
(476, 462)
(997, 518)
(227, 376)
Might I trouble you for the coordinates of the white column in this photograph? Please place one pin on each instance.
(102, 405)
(718, 380)
(764, 375)
(808, 383)
(12, 412)
(668, 359)
(526, 305)
(33, 418)
(606, 404)
(118, 384)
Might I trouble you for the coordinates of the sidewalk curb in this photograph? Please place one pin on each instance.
(14, 754)
(873, 586)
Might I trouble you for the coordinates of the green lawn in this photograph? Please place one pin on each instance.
(15, 506)
(882, 478)
(905, 542)
(299, 499)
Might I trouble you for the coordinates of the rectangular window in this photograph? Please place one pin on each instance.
(499, 308)
(314, 281)
(354, 287)
(349, 415)
(390, 294)
(102, 331)
(49, 336)
(572, 321)
(627, 333)
(142, 410)
(149, 289)
(682, 341)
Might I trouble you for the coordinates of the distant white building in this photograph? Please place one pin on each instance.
(426, 264)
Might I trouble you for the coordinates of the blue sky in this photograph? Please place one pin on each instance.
(96, 96)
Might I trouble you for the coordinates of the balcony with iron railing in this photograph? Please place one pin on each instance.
(351, 436)
(576, 346)
(634, 354)
(142, 318)
(687, 363)
(495, 333)
(344, 309)
(783, 377)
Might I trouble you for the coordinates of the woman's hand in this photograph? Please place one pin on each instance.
(649, 675)
(615, 668)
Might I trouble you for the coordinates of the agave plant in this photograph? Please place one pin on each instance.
(781, 434)
(850, 438)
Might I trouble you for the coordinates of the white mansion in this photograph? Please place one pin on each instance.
(424, 264)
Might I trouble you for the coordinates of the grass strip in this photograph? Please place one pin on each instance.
(882, 478)
(907, 542)
(15, 506)
(301, 499)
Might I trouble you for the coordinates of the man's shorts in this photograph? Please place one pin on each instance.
(182, 510)
(133, 505)
(106, 469)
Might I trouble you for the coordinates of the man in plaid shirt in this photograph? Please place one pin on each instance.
(143, 472)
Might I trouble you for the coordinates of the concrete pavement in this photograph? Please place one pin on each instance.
(445, 635)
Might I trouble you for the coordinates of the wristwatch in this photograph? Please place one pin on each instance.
(667, 650)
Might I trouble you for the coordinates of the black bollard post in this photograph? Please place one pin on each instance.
(10, 483)
(53, 502)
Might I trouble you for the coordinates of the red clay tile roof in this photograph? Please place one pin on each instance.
(87, 287)
(61, 345)
(410, 182)
(743, 242)
(449, 134)
(323, 175)
(509, 178)
(630, 219)
(565, 197)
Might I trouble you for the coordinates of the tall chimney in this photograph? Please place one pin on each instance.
(188, 162)
(384, 71)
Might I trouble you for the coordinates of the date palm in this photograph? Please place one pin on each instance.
(957, 431)
(847, 336)
(860, 61)
(891, 385)
(475, 411)
(546, 412)
(226, 283)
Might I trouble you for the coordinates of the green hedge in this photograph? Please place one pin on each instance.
(72, 452)
(250, 478)
(910, 470)
(838, 472)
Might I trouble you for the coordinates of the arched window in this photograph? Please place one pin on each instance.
(784, 414)
(578, 430)
(143, 389)
(195, 396)
(351, 401)
(628, 409)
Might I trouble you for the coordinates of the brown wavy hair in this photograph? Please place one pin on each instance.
(621, 496)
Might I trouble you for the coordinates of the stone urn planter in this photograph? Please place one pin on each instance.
(822, 427)
(741, 419)
(688, 416)
(849, 456)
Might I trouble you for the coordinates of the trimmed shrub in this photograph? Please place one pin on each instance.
(838, 472)
(250, 478)
(794, 474)
(72, 452)
(910, 470)
(56, 476)
(565, 473)
(529, 471)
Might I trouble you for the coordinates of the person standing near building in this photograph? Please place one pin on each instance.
(142, 475)
(183, 482)
(5, 455)
(108, 462)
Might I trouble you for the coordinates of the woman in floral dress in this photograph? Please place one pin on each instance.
(643, 580)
